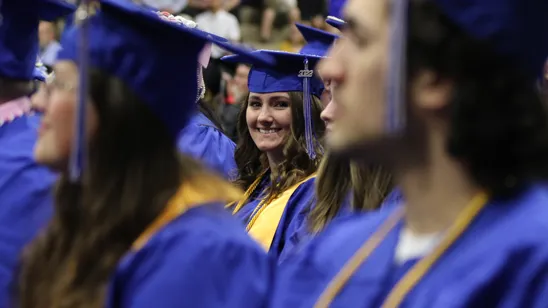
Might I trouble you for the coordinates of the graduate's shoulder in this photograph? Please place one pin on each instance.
(191, 261)
(200, 129)
(523, 219)
(17, 163)
(342, 238)
(208, 224)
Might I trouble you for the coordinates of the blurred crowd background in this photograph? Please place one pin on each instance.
(260, 24)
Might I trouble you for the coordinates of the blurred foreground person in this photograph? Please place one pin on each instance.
(25, 187)
(344, 187)
(136, 224)
(443, 93)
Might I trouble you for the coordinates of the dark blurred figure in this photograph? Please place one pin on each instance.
(235, 93)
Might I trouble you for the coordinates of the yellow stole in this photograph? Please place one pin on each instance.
(195, 192)
(398, 293)
(266, 216)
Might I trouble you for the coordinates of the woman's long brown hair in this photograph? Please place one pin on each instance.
(134, 168)
(296, 166)
(337, 179)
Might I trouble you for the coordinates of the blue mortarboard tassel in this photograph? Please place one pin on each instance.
(78, 154)
(306, 74)
(397, 68)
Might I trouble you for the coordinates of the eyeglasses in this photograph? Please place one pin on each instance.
(53, 83)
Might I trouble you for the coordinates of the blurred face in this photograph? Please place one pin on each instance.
(57, 128)
(216, 4)
(268, 119)
(240, 78)
(46, 33)
(357, 64)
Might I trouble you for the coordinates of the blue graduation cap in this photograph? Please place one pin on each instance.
(335, 22)
(517, 29)
(335, 8)
(294, 72)
(155, 58)
(19, 33)
(318, 41)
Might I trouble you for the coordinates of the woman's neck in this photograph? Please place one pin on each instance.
(435, 190)
(274, 160)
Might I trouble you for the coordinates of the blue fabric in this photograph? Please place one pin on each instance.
(124, 42)
(288, 229)
(202, 140)
(297, 232)
(336, 7)
(35, 119)
(318, 41)
(284, 77)
(517, 28)
(501, 260)
(19, 33)
(25, 196)
(244, 214)
(204, 258)
(49, 53)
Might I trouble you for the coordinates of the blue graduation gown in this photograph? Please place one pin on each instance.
(202, 140)
(203, 259)
(301, 198)
(501, 260)
(296, 232)
(25, 195)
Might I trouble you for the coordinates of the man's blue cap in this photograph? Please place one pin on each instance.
(318, 41)
(515, 28)
(155, 58)
(335, 22)
(19, 33)
(286, 76)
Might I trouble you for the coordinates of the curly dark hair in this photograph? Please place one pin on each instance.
(498, 123)
(297, 166)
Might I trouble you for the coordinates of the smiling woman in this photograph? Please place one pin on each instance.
(277, 155)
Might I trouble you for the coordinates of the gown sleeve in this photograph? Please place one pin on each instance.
(209, 274)
(203, 141)
(25, 198)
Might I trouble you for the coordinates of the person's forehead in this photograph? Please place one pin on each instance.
(367, 13)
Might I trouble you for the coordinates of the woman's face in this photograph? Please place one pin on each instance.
(269, 119)
(57, 128)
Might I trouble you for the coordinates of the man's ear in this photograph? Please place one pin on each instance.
(429, 92)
